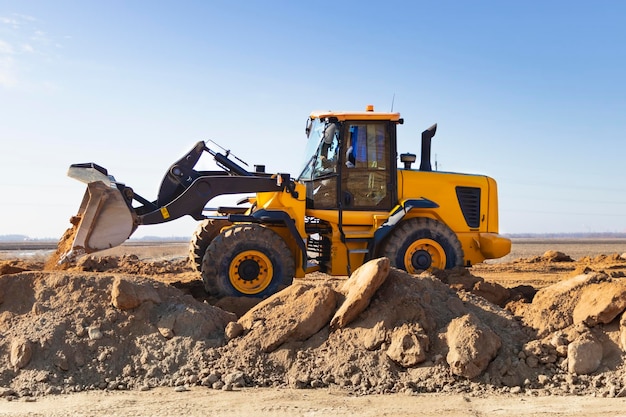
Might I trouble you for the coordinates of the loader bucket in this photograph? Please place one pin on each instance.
(104, 219)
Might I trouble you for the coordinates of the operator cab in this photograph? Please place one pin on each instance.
(351, 160)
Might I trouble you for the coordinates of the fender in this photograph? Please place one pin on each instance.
(263, 216)
(394, 219)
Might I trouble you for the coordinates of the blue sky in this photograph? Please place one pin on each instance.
(531, 93)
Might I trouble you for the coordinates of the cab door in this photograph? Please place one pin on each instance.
(367, 171)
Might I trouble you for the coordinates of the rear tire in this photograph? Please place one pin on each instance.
(204, 234)
(247, 260)
(421, 244)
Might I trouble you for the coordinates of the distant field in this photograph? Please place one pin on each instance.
(152, 249)
(575, 248)
(521, 248)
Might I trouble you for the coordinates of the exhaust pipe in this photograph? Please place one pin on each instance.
(427, 136)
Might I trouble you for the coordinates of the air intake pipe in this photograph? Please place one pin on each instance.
(427, 136)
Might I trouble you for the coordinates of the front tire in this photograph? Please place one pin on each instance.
(206, 231)
(422, 244)
(247, 260)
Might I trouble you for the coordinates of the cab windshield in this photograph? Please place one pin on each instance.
(321, 153)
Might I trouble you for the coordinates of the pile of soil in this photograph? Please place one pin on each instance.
(57, 259)
(119, 323)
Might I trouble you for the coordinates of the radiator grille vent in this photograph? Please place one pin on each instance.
(469, 200)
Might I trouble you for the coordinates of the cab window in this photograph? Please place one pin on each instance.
(366, 183)
(323, 185)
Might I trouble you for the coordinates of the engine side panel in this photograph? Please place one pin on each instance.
(468, 204)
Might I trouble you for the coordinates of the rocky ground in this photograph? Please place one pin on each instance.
(535, 326)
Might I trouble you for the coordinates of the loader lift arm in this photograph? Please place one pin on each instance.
(107, 216)
(182, 173)
(195, 197)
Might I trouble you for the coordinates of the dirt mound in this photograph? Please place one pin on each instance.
(589, 299)
(131, 264)
(549, 256)
(61, 333)
(15, 266)
(54, 262)
(112, 323)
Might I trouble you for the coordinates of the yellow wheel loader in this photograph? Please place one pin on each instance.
(350, 203)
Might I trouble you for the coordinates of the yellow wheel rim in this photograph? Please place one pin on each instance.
(250, 272)
(424, 254)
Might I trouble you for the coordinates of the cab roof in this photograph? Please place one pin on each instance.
(368, 114)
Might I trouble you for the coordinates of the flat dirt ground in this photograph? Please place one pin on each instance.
(196, 400)
(307, 403)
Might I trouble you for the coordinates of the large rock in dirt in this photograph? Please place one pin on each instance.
(359, 289)
(409, 345)
(556, 256)
(373, 338)
(21, 353)
(553, 306)
(472, 345)
(128, 294)
(194, 323)
(294, 314)
(461, 279)
(458, 278)
(584, 355)
(492, 292)
(601, 302)
(233, 329)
